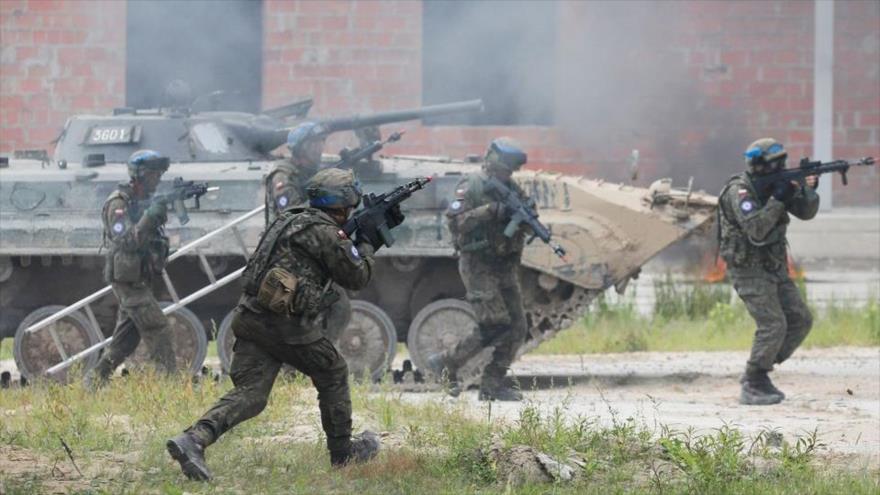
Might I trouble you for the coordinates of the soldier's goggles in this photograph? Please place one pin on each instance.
(756, 152)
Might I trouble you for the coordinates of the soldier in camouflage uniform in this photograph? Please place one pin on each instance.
(286, 187)
(138, 251)
(280, 320)
(488, 264)
(753, 244)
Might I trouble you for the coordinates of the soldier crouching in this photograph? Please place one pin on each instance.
(280, 318)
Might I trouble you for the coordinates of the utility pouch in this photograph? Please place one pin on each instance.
(159, 250)
(126, 267)
(277, 291)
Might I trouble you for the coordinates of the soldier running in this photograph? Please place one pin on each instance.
(138, 252)
(280, 318)
(489, 265)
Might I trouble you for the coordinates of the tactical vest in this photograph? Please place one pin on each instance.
(123, 265)
(488, 237)
(734, 245)
(278, 248)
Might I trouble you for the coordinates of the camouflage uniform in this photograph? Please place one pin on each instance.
(311, 246)
(138, 251)
(285, 188)
(753, 244)
(488, 264)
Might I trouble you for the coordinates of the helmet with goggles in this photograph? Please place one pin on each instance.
(765, 155)
(142, 160)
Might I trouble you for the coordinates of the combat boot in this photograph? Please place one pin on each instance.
(500, 393)
(442, 366)
(769, 383)
(190, 454)
(363, 448)
(758, 390)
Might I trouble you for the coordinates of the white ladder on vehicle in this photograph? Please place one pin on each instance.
(214, 284)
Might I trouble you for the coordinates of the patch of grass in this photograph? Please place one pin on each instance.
(675, 300)
(725, 326)
(117, 439)
(5, 349)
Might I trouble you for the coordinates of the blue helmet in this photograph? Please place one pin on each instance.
(142, 160)
(302, 133)
(506, 154)
(765, 153)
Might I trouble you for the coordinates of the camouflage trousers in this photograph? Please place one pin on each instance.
(255, 366)
(139, 317)
(783, 320)
(493, 291)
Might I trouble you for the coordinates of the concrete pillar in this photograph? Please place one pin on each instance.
(823, 93)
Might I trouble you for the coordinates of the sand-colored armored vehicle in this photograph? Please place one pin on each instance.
(50, 237)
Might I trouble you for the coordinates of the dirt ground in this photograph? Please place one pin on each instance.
(834, 391)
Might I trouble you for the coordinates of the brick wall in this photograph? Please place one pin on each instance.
(355, 57)
(692, 82)
(857, 97)
(57, 58)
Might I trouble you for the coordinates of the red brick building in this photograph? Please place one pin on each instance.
(689, 84)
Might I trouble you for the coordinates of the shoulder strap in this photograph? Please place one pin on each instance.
(258, 264)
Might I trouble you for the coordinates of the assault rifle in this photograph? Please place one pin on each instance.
(381, 212)
(806, 169)
(349, 158)
(182, 190)
(521, 213)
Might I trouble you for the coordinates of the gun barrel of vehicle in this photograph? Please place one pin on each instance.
(381, 118)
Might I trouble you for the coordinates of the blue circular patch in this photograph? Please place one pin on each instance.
(746, 206)
(455, 205)
(118, 227)
(282, 201)
(355, 253)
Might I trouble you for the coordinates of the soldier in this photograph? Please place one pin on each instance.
(280, 318)
(285, 188)
(752, 243)
(488, 265)
(285, 184)
(138, 251)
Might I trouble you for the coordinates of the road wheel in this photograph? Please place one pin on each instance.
(369, 341)
(37, 351)
(188, 339)
(437, 328)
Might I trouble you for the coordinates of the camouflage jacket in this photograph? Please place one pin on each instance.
(477, 220)
(752, 230)
(286, 187)
(138, 247)
(311, 246)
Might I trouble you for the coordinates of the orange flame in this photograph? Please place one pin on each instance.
(715, 269)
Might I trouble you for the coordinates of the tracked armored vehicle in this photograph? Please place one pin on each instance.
(50, 238)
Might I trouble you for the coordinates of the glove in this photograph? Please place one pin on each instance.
(368, 232)
(158, 212)
(394, 217)
(780, 190)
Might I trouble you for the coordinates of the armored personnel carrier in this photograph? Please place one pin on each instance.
(51, 239)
